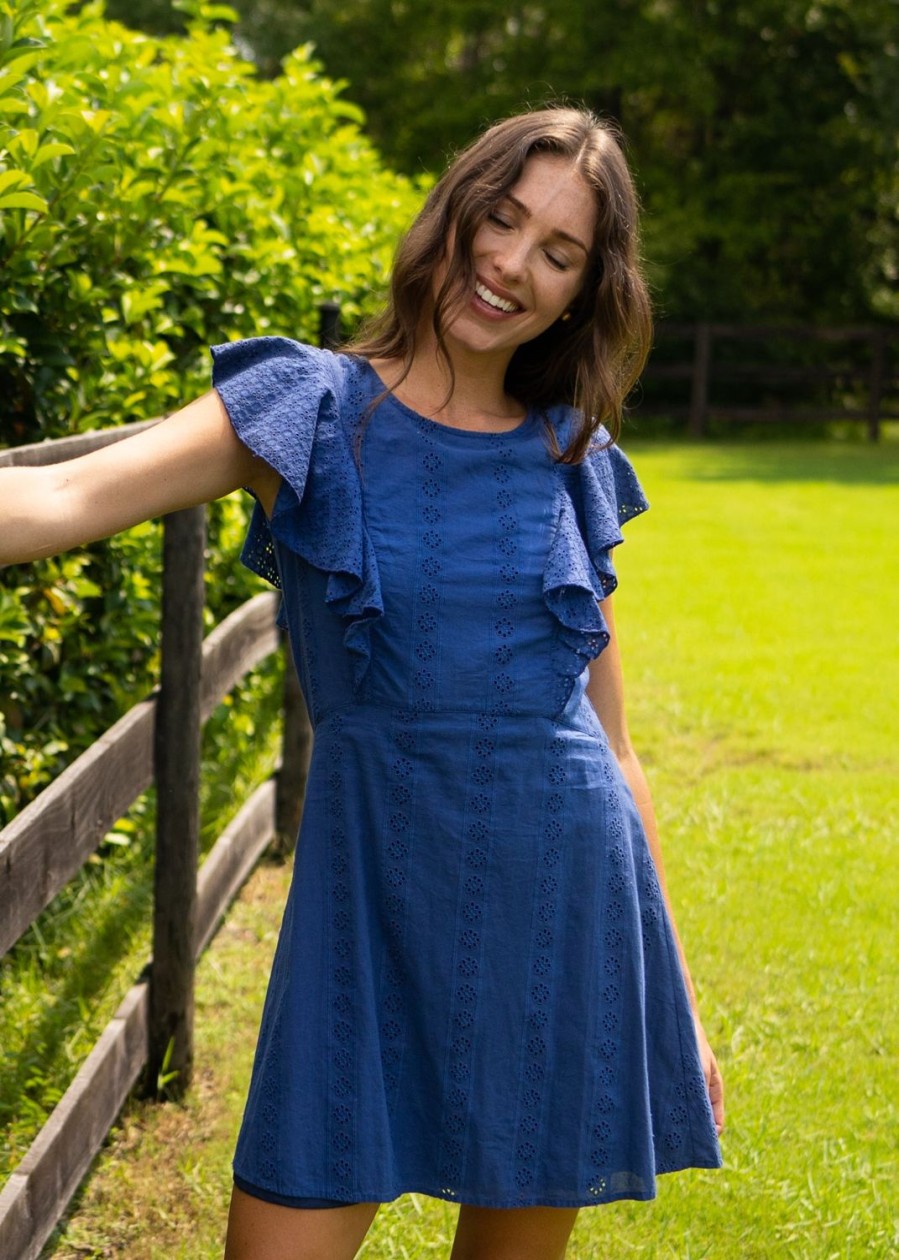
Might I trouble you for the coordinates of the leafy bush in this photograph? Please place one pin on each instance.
(155, 197)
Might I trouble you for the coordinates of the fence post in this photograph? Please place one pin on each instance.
(177, 761)
(875, 382)
(699, 396)
(328, 324)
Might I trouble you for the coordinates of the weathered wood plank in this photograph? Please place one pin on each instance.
(791, 414)
(41, 1187)
(241, 641)
(876, 383)
(699, 396)
(793, 332)
(58, 450)
(38, 1192)
(230, 862)
(49, 841)
(177, 763)
(15, 1217)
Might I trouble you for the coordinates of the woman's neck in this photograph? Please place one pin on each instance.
(473, 397)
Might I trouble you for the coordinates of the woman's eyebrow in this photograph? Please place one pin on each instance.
(565, 236)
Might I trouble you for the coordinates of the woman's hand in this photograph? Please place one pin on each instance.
(713, 1078)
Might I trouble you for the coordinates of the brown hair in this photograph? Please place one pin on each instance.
(590, 360)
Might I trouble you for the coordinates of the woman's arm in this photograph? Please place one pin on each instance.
(191, 457)
(605, 690)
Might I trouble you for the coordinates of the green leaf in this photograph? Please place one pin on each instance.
(23, 48)
(13, 179)
(22, 201)
(24, 60)
(47, 152)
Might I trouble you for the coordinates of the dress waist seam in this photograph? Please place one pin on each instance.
(410, 713)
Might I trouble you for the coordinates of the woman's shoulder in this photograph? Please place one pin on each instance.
(605, 475)
(273, 358)
(261, 370)
(567, 422)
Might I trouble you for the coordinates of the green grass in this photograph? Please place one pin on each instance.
(758, 609)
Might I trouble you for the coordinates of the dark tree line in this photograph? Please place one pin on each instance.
(763, 132)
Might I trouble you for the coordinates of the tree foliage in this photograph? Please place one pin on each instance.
(156, 196)
(763, 131)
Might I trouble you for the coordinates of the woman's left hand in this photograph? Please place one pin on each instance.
(713, 1078)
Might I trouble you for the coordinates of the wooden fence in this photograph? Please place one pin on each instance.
(48, 842)
(770, 374)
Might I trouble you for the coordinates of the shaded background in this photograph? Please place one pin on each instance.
(762, 132)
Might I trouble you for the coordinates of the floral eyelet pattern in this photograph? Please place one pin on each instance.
(460, 977)
(467, 951)
(400, 801)
(424, 689)
(341, 1047)
(533, 1102)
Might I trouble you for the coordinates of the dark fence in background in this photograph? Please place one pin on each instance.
(713, 375)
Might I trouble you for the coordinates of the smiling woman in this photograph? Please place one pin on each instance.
(528, 265)
(530, 257)
(534, 226)
(478, 991)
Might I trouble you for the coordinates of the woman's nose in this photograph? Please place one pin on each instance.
(511, 260)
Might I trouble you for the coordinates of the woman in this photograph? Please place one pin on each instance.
(478, 992)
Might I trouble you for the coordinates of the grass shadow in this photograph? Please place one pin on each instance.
(836, 462)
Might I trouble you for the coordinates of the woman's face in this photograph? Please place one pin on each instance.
(530, 257)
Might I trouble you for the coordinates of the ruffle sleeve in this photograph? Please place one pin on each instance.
(284, 401)
(594, 499)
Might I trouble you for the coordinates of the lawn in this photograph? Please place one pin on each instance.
(758, 609)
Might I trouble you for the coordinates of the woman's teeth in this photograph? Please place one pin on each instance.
(493, 299)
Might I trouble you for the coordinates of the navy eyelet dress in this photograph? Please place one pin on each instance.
(476, 994)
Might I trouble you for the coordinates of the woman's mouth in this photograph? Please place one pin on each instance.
(497, 303)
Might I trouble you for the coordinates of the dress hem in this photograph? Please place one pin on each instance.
(473, 1200)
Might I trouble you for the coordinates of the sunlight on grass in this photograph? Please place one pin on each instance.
(758, 610)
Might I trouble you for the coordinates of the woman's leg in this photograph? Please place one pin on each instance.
(266, 1231)
(536, 1233)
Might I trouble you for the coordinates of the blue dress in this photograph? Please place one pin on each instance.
(476, 994)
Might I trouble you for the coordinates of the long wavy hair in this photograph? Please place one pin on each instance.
(592, 359)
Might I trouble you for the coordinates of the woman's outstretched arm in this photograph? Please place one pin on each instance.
(605, 690)
(191, 457)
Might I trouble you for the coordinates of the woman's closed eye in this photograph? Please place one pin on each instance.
(556, 260)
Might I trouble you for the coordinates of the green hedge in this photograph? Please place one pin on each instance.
(155, 197)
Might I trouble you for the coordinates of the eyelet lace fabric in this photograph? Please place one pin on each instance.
(476, 992)
(593, 500)
(318, 512)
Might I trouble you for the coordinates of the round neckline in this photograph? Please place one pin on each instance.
(429, 424)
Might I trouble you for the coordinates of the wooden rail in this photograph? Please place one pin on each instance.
(50, 840)
(725, 374)
(38, 1192)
